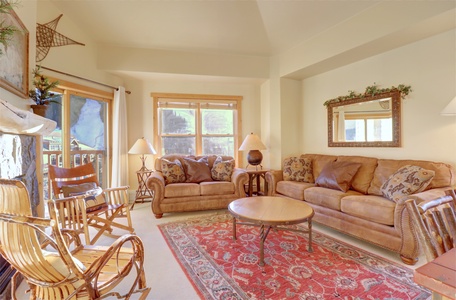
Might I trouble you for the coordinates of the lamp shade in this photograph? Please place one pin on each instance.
(142, 146)
(450, 109)
(252, 142)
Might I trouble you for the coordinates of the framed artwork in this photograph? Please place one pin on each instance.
(14, 57)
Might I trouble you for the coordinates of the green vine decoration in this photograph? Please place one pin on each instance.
(370, 92)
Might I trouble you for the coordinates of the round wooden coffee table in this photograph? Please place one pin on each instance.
(271, 212)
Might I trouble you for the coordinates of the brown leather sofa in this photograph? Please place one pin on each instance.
(370, 205)
(196, 189)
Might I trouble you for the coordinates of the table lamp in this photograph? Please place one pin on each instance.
(142, 146)
(253, 144)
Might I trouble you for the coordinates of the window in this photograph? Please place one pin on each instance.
(368, 129)
(81, 135)
(196, 124)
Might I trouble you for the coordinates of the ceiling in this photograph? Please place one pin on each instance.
(241, 27)
(231, 26)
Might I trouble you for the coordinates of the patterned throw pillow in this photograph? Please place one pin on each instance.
(222, 170)
(406, 181)
(298, 169)
(172, 171)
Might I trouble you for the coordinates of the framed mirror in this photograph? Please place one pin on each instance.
(373, 121)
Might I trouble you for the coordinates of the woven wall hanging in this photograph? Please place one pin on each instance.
(47, 37)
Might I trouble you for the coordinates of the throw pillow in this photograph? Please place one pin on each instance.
(298, 169)
(197, 171)
(337, 175)
(172, 171)
(406, 181)
(93, 203)
(222, 170)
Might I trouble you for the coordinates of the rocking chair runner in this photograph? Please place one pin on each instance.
(85, 272)
(100, 211)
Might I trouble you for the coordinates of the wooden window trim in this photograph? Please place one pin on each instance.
(201, 98)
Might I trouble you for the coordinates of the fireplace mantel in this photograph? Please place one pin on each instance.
(18, 121)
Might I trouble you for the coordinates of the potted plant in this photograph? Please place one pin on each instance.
(41, 94)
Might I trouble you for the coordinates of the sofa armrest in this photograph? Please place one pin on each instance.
(156, 183)
(402, 222)
(239, 178)
(272, 177)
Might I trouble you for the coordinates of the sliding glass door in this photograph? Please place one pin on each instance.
(81, 134)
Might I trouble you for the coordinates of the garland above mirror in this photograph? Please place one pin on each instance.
(372, 91)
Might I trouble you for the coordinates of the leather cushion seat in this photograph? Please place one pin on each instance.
(182, 189)
(201, 189)
(293, 189)
(217, 188)
(369, 207)
(327, 197)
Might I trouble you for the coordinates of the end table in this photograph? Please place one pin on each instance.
(255, 174)
(143, 192)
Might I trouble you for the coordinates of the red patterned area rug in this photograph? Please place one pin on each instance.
(222, 268)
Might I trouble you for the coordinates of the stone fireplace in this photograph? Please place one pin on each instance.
(19, 149)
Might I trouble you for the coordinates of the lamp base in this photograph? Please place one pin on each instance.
(254, 158)
(143, 168)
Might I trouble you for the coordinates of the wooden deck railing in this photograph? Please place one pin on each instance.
(78, 157)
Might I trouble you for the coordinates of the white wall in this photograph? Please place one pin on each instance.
(73, 59)
(429, 66)
(140, 114)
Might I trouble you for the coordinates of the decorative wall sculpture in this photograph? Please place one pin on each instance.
(47, 37)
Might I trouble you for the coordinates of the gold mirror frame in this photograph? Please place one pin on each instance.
(396, 115)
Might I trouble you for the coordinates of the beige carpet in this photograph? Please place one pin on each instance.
(163, 273)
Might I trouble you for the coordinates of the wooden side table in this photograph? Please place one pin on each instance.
(143, 192)
(439, 276)
(257, 175)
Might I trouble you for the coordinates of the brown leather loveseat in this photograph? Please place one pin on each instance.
(189, 183)
(363, 196)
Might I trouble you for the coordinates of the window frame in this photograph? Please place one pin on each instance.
(197, 100)
(365, 119)
(67, 89)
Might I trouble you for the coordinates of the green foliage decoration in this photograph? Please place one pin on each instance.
(42, 94)
(371, 91)
(6, 31)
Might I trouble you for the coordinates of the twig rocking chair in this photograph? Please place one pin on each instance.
(62, 271)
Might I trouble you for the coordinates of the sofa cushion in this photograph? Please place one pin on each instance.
(222, 170)
(319, 161)
(363, 177)
(371, 208)
(325, 197)
(293, 189)
(444, 173)
(196, 171)
(298, 169)
(337, 175)
(182, 190)
(217, 188)
(406, 181)
(172, 171)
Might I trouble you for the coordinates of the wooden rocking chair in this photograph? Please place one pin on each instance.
(435, 224)
(99, 210)
(60, 271)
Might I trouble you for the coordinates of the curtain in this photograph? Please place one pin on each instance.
(119, 175)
